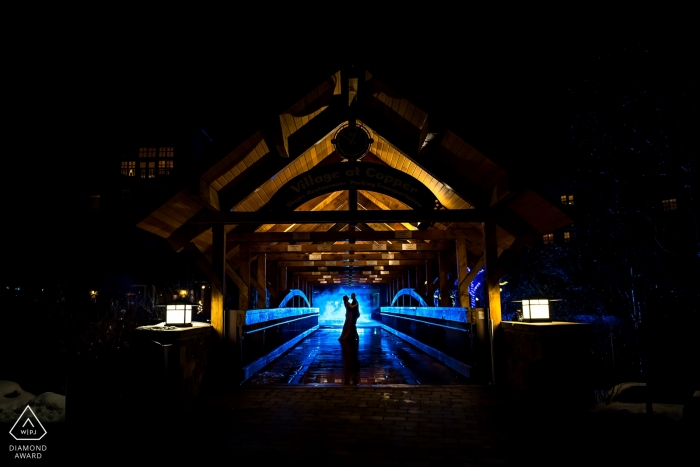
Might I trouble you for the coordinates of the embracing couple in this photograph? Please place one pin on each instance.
(352, 313)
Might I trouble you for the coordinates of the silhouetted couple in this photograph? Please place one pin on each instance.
(352, 313)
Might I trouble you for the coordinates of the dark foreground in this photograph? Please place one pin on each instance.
(389, 405)
(389, 425)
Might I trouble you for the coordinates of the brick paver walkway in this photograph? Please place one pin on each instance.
(396, 425)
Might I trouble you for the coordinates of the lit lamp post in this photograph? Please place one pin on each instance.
(179, 313)
(536, 309)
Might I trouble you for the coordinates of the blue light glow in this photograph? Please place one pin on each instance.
(474, 287)
(329, 301)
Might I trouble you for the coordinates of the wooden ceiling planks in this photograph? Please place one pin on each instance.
(224, 166)
(395, 159)
(540, 213)
(170, 216)
(459, 155)
(306, 161)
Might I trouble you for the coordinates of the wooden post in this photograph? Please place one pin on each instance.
(262, 280)
(492, 280)
(244, 273)
(273, 277)
(218, 289)
(284, 288)
(462, 271)
(493, 292)
(420, 280)
(444, 291)
(430, 277)
(352, 200)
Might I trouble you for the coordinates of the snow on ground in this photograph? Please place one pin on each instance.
(49, 407)
(629, 398)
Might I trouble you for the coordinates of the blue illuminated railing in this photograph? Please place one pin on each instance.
(291, 297)
(265, 334)
(410, 293)
(442, 332)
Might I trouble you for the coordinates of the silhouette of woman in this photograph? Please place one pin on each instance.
(349, 329)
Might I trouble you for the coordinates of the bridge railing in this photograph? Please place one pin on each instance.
(442, 332)
(262, 335)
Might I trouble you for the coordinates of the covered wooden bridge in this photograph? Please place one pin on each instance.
(353, 184)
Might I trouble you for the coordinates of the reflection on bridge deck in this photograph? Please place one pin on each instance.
(378, 358)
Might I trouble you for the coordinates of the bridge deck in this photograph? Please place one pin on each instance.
(379, 358)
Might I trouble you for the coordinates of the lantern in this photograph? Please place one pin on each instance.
(179, 313)
(536, 309)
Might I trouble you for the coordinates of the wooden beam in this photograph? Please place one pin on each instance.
(317, 128)
(430, 278)
(344, 247)
(204, 195)
(492, 277)
(444, 283)
(375, 235)
(284, 287)
(204, 264)
(250, 179)
(462, 272)
(218, 291)
(420, 279)
(262, 281)
(331, 217)
(244, 272)
(404, 255)
(354, 264)
(370, 113)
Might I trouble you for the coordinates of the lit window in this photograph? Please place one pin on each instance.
(669, 204)
(567, 237)
(129, 168)
(147, 152)
(147, 169)
(166, 152)
(548, 239)
(567, 199)
(164, 167)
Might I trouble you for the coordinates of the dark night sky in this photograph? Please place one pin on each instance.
(79, 94)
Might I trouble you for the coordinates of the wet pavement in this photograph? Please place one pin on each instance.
(379, 358)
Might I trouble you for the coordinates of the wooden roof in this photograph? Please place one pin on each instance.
(405, 138)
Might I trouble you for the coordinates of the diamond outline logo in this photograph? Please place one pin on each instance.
(28, 419)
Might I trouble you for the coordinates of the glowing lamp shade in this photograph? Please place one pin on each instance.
(536, 309)
(178, 314)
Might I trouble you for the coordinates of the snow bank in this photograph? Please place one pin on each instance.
(49, 407)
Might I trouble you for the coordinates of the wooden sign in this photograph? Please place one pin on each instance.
(324, 247)
(315, 257)
(308, 263)
(379, 247)
(293, 247)
(403, 234)
(370, 263)
(387, 255)
(408, 246)
(341, 176)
